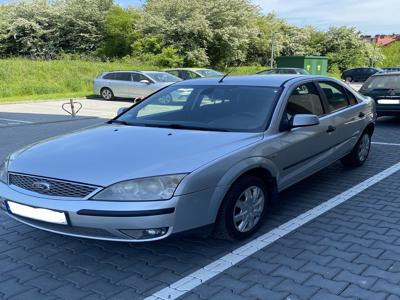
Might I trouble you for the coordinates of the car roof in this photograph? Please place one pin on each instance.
(251, 80)
(387, 74)
(188, 69)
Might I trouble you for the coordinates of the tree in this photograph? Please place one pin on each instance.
(120, 32)
(204, 32)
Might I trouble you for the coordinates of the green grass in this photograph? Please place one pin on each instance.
(392, 55)
(30, 80)
(24, 79)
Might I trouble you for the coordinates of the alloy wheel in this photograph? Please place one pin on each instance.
(248, 209)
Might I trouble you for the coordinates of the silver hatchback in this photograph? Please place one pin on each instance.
(213, 156)
(131, 84)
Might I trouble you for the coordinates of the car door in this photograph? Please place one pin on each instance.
(303, 150)
(121, 84)
(140, 86)
(347, 115)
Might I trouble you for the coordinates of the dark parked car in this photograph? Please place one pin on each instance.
(391, 69)
(384, 88)
(284, 71)
(359, 74)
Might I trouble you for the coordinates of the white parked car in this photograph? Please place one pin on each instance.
(131, 84)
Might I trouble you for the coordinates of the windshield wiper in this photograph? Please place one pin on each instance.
(119, 122)
(180, 126)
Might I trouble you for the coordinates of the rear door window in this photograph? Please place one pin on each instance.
(335, 95)
(123, 76)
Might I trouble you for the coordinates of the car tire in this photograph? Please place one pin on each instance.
(349, 79)
(247, 198)
(359, 154)
(107, 94)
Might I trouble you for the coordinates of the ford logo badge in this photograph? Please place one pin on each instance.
(41, 186)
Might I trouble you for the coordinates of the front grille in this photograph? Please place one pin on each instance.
(51, 187)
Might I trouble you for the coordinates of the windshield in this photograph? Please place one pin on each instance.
(303, 72)
(163, 77)
(209, 73)
(389, 82)
(208, 107)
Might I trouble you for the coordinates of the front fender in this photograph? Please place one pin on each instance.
(233, 173)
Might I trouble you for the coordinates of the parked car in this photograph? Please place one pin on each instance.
(192, 73)
(212, 159)
(384, 88)
(131, 84)
(359, 74)
(391, 69)
(284, 71)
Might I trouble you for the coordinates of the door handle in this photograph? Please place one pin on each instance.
(361, 114)
(331, 129)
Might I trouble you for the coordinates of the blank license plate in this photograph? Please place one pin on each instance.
(388, 101)
(40, 214)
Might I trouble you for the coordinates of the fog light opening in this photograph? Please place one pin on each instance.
(144, 234)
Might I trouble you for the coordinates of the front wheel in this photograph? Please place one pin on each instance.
(243, 209)
(359, 154)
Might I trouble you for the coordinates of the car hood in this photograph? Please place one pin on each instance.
(113, 153)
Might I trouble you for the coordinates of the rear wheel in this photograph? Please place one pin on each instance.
(359, 154)
(243, 209)
(107, 94)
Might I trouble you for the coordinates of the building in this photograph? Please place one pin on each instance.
(382, 39)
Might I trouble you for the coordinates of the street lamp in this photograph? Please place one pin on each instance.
(272, 48)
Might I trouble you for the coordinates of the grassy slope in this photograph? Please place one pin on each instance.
(24, 79)
(28, 79)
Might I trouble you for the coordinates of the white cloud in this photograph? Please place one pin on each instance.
(369, 16)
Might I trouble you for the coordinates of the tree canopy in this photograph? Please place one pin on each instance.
(218, 33)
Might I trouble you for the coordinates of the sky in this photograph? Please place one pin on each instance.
(369, 16)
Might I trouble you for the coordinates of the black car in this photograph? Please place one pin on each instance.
(391, 69)
(359, 74)
(284, 71)
(384, 88)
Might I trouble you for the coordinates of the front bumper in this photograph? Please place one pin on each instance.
(111, 220)
(388, 110)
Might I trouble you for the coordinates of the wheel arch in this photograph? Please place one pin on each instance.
(255, 166)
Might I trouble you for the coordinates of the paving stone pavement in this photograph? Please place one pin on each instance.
(353, 251)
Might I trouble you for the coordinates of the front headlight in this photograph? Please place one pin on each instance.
(4, 172)
(150, 188)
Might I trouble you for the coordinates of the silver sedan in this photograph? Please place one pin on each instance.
(213, 157)
(131, 84)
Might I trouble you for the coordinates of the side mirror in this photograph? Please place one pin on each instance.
(303, 121)
(121, 110)
(145, 81)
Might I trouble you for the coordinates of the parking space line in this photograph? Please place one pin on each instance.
(208, 272)
(385, 144)
(15, 121)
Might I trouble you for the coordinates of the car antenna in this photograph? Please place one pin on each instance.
(223, 77)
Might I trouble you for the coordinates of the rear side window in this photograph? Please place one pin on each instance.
(335, 95)
(124, 76)
(109, 76)
(304, 99)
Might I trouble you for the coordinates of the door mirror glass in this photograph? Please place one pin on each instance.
(145, 81)
(304, 121)
(121, 110)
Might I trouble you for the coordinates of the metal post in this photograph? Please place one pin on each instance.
(73, 113)
(272, 48)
